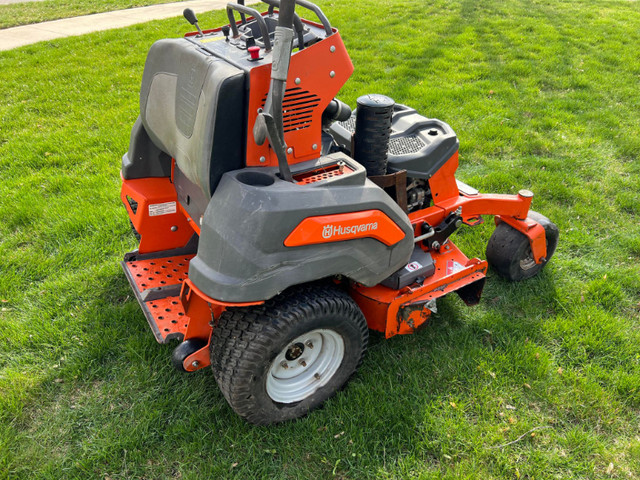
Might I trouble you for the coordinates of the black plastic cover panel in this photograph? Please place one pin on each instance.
(242, 257)
(420, 266)
(144, 158)
(417, 144)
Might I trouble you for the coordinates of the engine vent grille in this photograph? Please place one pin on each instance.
(350, 124)
(405, 145)
(297, 108)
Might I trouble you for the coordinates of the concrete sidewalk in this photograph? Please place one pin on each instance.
(68, 27)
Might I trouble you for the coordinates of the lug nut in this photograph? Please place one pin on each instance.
(284, 365)
(195, 364)
(316, 376)
(303, 363)
(309, 344)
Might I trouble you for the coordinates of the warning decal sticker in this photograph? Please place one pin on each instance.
(162, 209)
(453, 267)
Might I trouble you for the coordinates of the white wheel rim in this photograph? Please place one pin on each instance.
(528, 262)
(298, 372)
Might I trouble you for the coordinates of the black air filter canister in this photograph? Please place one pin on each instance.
(373, 127)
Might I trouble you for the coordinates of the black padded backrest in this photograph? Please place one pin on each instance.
(192, 106)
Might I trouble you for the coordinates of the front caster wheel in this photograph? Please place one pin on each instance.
(278, 361)
(182, 351)
(509, 251)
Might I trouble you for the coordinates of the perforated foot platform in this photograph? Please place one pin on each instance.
(157, 283)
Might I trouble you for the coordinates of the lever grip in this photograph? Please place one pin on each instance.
(190, 16)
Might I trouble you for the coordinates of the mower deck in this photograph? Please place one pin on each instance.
(157, 283)
(403, 311)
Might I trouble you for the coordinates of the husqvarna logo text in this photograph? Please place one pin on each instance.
(329, 231)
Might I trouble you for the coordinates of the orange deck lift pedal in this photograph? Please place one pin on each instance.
(277, 226)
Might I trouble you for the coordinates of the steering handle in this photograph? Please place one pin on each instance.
(297, 23)
(255, 14)
(309, 6)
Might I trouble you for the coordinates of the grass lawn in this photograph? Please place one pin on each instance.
(540, 381)
(14, 14)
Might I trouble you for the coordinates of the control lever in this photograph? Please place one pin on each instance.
(190, 15)
(267, 124)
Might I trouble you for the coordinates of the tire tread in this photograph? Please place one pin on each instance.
(243, 335)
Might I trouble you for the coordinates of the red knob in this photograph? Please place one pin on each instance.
(254, 52)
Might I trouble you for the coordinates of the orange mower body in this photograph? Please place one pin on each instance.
(277, 226)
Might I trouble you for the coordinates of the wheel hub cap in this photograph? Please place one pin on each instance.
(307, 363)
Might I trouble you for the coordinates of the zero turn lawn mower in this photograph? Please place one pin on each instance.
(277, 226)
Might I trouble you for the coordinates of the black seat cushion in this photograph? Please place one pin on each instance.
(192, 106)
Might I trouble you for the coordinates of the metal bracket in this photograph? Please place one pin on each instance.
(533, 231)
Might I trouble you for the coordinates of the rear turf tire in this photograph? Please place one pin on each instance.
(318, 331)
(509, 251)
